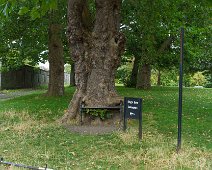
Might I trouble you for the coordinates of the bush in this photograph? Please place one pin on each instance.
(123, 74)
(169, 77)
(209, 85)
(198, 79)
(102, 114)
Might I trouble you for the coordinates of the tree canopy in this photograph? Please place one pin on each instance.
(24, 31)
(152, 30)
(148, 24)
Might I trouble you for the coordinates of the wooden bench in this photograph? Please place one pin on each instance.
(83, 108)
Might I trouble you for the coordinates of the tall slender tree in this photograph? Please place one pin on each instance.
(56, 58)
(51, 15)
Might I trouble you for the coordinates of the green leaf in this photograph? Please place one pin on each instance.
(34, 14)
(6, 9)
(53, 4)
(23, 11)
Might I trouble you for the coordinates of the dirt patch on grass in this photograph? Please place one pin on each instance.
(92, 130)
(95, 126)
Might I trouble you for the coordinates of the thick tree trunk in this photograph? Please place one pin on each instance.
(134, 74)
(72, 75)
(96, 51)
(56, 63)
(144, 73)
(159, 78)
(144, 77)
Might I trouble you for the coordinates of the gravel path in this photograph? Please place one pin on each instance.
(10, 95)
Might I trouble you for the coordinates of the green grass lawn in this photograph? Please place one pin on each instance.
(30, 134)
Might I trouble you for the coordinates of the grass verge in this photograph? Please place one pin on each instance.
(30, 135)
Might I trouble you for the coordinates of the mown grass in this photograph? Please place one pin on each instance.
(162, 103)
(29, 133)
(39, 106)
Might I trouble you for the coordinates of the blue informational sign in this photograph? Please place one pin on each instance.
(132, 107)
(133, 110)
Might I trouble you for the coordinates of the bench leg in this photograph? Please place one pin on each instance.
(81, 112)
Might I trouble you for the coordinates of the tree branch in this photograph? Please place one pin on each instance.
(165, 44)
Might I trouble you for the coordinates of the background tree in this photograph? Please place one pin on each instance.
(20, 42)
(56, 58)
(146, 27)
(152, 26)
(52, 16)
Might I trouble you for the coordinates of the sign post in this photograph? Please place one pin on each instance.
(133, 110)
(180, 90)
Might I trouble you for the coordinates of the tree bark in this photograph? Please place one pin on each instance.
(56, 61)
(159, 78)
(96, 50)
(134, 74)
(72, 75)
(166, 44)
(144, 77)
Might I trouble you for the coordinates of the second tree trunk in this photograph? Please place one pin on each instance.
(144, 77)
(56, 63)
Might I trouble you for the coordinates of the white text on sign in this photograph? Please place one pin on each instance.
(132, 102)
(132, 107)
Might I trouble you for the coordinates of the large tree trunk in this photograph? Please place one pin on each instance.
(144, 77)
(96, 50)
(72, 75)
(56, 61)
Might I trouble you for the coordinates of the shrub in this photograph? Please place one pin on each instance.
(103, 114)
(209, 85)
(123, 74)
(198, 79)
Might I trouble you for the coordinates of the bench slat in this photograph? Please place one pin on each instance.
(115, 107)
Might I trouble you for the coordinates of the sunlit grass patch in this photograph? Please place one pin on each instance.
(159, 152)
(19, 122)
(163, 156)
